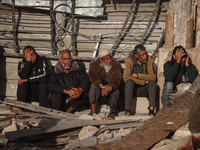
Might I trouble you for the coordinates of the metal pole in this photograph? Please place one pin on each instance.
(15, 42)
(73, 42)
(53, 30)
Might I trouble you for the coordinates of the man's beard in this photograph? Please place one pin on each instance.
(66, 64)
(106, 67)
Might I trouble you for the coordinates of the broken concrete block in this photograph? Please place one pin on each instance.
(86, 131)
(3, 140)
(12, 127)
(99, 116)
(124, 132)
(104, 136)
(86, 117)
(180, 134)
(105, 109)
(161, 144)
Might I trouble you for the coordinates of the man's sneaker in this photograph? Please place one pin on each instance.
(91, 113)
(151, 113)
(127, 112)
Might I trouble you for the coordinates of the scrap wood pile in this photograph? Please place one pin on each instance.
(25, 125)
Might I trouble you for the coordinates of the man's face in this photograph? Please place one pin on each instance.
(142, 56)
(65, 60)
(107, 59)
(183, 60)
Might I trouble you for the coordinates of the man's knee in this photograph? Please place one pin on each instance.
(23, 85)
(169, 85)
(42, 85)
(94, 93)
(152, 83)
(129, 83)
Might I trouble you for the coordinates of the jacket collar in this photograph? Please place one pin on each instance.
(58, 67)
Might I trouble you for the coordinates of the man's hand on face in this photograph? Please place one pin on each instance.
(177, 55)
(27, 54)
(187, 61)
(20, 81)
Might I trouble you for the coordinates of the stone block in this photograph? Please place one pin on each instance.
(142, 105)
(86, 132)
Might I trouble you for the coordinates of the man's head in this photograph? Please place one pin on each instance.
(140, 53)
(30, 50)
(184, 55)
(65, 59)
(105, 59)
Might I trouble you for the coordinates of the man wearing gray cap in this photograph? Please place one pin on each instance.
(178, 70)
(105, 76)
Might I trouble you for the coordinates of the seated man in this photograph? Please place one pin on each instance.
(140, 80)
(105, 77)
(178, 70)
(68, 83)
(33, 73)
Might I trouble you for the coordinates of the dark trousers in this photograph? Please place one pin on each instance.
(59, 101)
(134, 90)
(95, 95)
(28, 92)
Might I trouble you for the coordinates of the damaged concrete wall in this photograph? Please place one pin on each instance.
(180, 25)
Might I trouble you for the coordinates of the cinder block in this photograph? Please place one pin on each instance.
(142, 105)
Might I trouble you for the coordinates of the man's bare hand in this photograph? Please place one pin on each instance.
(74, 92)
(134, 75)
(177, 55)
(187, 61)
(77, 92)
(104, 92)
(27, 54)
(20, 81)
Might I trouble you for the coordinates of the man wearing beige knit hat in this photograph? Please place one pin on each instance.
(105, 76)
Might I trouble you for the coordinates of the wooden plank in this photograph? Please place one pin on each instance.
(39, 109)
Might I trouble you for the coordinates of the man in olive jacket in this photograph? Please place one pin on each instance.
(105, 77)
(139, 79)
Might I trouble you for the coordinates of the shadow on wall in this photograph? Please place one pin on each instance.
(3, 78)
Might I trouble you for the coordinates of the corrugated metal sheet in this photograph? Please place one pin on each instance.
(80, 11)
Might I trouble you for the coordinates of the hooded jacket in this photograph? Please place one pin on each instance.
(146, 72)
(173, 71)
(33, 72)
(76, 78)
(113, 77)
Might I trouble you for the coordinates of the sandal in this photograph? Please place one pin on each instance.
(111, 116)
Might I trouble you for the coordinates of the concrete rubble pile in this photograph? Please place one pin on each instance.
(25, 125)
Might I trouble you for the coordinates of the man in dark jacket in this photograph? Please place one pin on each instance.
(68, 83)
(178, 70)
(140, 80)
(105, 76)
(33, 73)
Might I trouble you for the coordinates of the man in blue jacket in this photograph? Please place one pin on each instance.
(33, 73)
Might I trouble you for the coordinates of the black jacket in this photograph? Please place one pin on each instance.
(33, 73)
(59, 80)
(173, 71)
